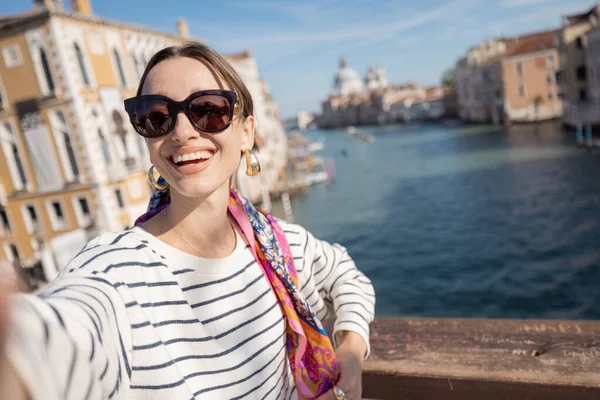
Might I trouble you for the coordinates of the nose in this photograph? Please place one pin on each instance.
(183, 130)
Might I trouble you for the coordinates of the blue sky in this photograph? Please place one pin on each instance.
(298, 44)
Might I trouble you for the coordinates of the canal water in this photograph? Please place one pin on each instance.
(472, 221)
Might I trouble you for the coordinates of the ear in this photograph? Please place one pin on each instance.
(248, 133)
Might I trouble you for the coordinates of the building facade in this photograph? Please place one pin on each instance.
(376, 102)
(576, 59)
(71, 165)
(593, 66)
(510, 80)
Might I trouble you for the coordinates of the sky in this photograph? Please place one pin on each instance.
(298, 44)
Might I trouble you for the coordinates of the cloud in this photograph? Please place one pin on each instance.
(520, 3)
(448, 34)
(375, 30)
(542, 18)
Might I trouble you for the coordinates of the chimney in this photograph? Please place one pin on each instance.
(82, 7)
(52, 5)
(182, 28)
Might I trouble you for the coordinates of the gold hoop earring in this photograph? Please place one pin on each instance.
(154, 183)
(252, 163)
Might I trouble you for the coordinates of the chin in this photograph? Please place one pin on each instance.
(198, 187)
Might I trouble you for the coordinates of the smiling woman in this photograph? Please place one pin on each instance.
(207, 296)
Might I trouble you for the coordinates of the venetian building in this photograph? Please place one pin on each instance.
(376, 78)
(71, 165)
(346, 81)
(270, 134)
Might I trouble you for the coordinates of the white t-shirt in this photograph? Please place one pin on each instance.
(134, 318)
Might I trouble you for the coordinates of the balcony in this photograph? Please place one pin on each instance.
(415, 358)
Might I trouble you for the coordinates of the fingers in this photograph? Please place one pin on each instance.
(328, 395)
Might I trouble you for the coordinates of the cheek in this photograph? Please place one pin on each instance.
(154, 149)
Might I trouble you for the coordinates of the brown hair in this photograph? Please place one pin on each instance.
(212, 60)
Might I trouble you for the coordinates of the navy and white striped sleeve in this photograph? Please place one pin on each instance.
(331, 283)
(72, 341)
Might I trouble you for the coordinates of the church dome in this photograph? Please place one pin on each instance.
(347, 81)
(376, 78)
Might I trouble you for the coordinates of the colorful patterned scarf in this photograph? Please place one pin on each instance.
(309, 350)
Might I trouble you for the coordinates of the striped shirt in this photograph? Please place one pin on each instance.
(134, 318)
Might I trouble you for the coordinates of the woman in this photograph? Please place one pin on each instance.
(206, 297)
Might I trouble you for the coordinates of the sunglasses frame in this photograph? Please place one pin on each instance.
(175, 107)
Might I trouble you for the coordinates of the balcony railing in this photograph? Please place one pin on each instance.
(449, 359)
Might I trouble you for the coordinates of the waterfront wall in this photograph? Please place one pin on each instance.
(425, 358)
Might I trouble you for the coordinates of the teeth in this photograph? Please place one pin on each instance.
(191, 156)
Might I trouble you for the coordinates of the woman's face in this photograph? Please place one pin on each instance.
(219, 153)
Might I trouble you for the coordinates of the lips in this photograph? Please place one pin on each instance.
(191, 161)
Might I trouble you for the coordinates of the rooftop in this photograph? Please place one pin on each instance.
(575, 19)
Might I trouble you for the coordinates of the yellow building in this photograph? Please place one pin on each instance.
(71, 165)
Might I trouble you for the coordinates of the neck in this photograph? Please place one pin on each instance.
(200, 223)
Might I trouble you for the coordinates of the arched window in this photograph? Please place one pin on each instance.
(19, 163)
(68, 144)
(82, 69)
(105, 148)
(120, 68)
(136, 65)
(47, 71)
(71, 153)
(13, 156)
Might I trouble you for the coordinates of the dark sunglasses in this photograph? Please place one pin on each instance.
(155, 115)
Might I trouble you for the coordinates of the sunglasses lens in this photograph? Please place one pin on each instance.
(153, 118)
(210, 113)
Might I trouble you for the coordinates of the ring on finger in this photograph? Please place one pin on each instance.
(339, 393)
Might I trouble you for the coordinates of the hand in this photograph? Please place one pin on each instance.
(349, 356)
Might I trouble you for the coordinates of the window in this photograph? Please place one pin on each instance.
(550, 61)
(136, 66)
(13, 156)
(581, 73)
(30, 217)
(558, 76)
(32, 213)
(84, 74)
(498, 94)
(57, 210)
(82, 211)
(1, 96)
(519, 68)
(105, 148)
(85, 208)
(66, 150)
(120, 71)
(583, 95)
(119, 197)
(550, 96)
(579, 42)
(12, 56)
(47, 71)
(549, 79)
(57, 215)
(521, 91)
(5, 223)
(12, 252)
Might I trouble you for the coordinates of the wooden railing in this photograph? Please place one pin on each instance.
(465, 359)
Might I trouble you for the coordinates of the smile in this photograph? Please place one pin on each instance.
(191, 158)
